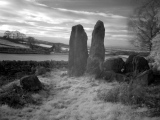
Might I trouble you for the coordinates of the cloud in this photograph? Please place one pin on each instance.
(3, 3)
(51, 22)
(91, 13)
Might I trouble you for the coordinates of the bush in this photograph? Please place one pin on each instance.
(132, 95)
(16, 97)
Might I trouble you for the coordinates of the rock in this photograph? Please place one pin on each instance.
(144, 79)
(121, 78)
(106, 75)
(114, 64)
(140, 64)
(30, 83)
(78, 52)
(111, 76)
(40, 70)
(129, 64)
(97, 50)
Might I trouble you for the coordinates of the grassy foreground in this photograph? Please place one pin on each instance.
(71, 98)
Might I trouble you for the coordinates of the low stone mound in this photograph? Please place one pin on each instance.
(31, 83)
(129, 64)
(145, 78)
(114, 64)
(111, 76)
(140, 64)
(121, 78)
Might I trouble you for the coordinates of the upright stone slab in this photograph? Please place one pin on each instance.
(97, 50)
(78, 52)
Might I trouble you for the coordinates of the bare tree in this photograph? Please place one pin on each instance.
(144, 23)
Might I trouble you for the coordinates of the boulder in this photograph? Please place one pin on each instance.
(97, 50)
(140, 64)
(121, 78)
(145, 78)
(114, 64)
(30, 83)
(78, 52)
(106, 75)
(111, 76)
(129, 64)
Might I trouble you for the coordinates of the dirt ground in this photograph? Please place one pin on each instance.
(71, 98)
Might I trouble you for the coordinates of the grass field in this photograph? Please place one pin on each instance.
(12, 44)
(71, 98)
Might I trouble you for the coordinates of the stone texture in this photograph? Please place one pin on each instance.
(78, 52)
(30, 83)
(97, 50)
(128, 64)
(106, 75)
(144, 79)
(114, 64)
(140, 64)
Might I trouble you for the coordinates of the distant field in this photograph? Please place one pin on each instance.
(1, 45)
(44, 45)
(6, 43)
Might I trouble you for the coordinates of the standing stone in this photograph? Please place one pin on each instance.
(97, 50)
(78, 52)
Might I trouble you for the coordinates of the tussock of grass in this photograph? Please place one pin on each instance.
(133, 95)
(16, 97)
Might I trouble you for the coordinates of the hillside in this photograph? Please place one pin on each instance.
(21, 46)
(7, 43)
(51, 43)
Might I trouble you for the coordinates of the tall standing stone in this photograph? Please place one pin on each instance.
(97, 50)
(78, 52)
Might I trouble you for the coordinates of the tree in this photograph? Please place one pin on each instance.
(7, 34)
(31, 41)
(56, 47)
(144, 23)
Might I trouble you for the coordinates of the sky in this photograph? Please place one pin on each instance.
(52, 20)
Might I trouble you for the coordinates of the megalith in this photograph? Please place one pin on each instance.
(78, 52)
(97, 50)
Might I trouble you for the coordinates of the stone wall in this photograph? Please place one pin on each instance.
(11, 68)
